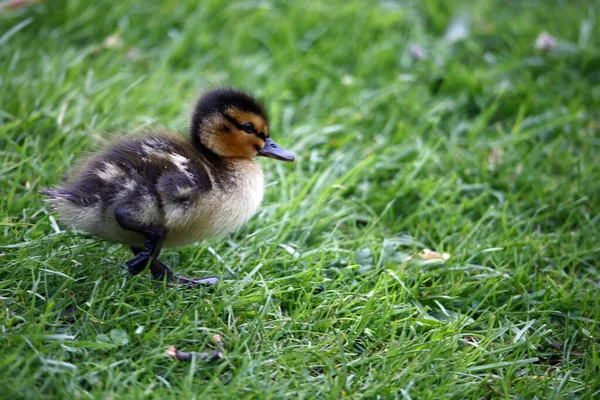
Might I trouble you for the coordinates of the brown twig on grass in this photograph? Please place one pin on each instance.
(188, 356)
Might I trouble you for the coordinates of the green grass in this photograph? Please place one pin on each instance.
(487, 149)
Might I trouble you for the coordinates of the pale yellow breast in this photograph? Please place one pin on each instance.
(218, 212)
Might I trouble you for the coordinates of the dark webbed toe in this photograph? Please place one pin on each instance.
(135, 267)
(161, 271)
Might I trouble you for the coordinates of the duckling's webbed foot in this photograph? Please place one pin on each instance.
(160, 270)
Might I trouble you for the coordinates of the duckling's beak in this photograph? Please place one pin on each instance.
(273, 150)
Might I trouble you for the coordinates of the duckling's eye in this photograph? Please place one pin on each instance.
(248, 127)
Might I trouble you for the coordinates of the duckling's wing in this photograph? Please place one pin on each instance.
(178, 188)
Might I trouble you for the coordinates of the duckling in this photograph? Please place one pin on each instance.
(168, 190)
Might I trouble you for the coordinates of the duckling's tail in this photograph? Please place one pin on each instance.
(50, 192)
(57, 193)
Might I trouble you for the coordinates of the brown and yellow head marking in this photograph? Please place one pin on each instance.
(231, 123)
(235, 133)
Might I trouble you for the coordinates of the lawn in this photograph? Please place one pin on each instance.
(415, 124)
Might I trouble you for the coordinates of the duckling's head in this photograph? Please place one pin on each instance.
(231, 123)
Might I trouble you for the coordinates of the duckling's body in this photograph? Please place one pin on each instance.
(163, 181)
(170, 190)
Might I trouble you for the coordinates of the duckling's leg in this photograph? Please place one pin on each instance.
(153, 238)
(160, 270)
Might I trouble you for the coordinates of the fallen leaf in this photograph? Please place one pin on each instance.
(428, 255)
(113, 41)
